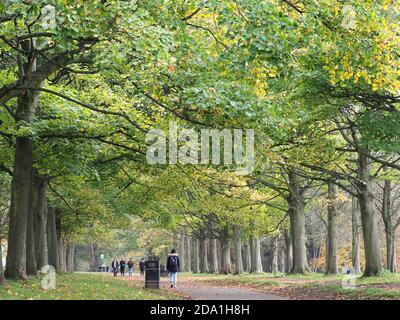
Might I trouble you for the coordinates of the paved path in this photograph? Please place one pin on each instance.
(199, 291)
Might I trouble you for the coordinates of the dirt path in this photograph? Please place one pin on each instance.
(199, 291)
(196, 290)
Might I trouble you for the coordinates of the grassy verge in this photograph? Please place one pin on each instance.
(81, 286)
(309, 286)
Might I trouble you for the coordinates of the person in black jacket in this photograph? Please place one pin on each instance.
(114, 266)
(142, 267)
(122, 265)
(173, 266)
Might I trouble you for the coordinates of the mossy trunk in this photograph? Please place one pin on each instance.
(246, 257)
(373, 263)
(332, 258)
(40, 223)
(288, 251)
(70, 257)
(296, 204)
(255, 247)
(213, 256)
(237, 230)
(52, 238)
(225, 251)
(1, 263)
(355, 242)
(196, 255)
(203, 255)
(390, 228)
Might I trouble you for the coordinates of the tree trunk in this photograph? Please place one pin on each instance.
(93, 257)
(62, 254)
(18, 216)
(256, 265)
(275, 252)
(182, 255)
(188, 255)
(213, 256)
(40, 216)
(165, 254)
(373, 263)
(297, 224)
(225, 251)
(31, 267)
(237, 230)
(332, 266)
(203, 261)
(1, 263)
(52, 238)
(22, 180)
(246, 257)
(196, 258)
(70, 257)
(390, 229)
(219, 257)
(355, 243)
(288, 251)
(281, 255)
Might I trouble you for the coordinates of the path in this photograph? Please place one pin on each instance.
(198, 290)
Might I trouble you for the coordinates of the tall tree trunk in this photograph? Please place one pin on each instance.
(225, 251)
(246, 257)
(70, 257)
(213, 256)
(182, 253)
(237, 232)
(18, 216)
(281, 255)
(188, 248)
(62, 254)
(288, 251)
(332, 267)
(52, 238)
(219, 257)
(165, 256)
(297, 224)
(203, 261)
(40, 224)
(255, 248)
(373, 263)
(275, 252)
(390, 229)
(355, 243)
(31, 267)
(94, 261)
(195, 253)
(1, 263)
(22, 179)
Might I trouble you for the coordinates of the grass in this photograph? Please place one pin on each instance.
(81, 286)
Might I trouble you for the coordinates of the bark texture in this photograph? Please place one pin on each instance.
(237, 232)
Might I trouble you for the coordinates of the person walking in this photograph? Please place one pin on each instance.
(141, 267)
(173, 266)
(114, 266)
(122, 265)
(130, 267)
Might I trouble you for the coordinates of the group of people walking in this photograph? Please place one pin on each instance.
(120, 266)
(173, 267)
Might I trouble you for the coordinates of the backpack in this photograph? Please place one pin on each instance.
(173, 261)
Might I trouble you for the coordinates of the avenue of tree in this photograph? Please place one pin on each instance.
(77, 99)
